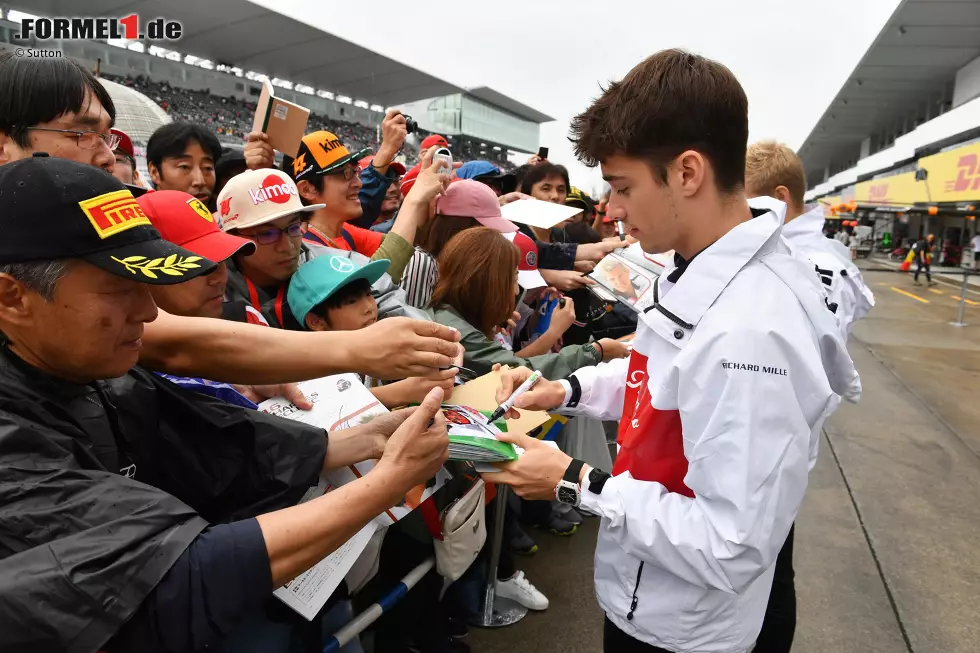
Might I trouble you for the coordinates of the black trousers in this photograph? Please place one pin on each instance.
(921, 265)
(616, 641)
(779, 624)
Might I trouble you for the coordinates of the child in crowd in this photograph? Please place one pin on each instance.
(333, 293)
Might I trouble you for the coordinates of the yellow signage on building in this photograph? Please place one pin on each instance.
(828, 204)
(954, 176)
(890, 191)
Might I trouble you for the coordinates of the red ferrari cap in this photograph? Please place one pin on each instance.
(434, 139)
(408, 179)
(125, 143)
(183, 219)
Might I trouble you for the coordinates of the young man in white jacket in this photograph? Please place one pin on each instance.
(733, 371)
(772, 169)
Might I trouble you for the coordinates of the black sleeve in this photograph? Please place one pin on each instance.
(219, 579)
(556, 256)
(225, 461)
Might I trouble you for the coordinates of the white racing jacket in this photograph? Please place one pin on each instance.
(732, 374)
(843, 280)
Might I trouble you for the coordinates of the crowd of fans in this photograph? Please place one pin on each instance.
(272, 263)
(147, 505)
(231, 116)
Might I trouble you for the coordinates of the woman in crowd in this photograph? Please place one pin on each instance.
(465, 204)
(477, 292)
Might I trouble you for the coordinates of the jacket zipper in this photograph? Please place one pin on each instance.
(636, 588)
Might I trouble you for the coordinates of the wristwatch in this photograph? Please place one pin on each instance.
(567, 491)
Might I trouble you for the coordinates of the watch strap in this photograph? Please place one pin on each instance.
(597, 479)
(575, 395)
(573, 470)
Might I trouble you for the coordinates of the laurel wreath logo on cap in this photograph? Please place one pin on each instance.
(173, 265)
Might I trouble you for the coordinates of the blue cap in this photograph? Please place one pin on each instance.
(474, 169)
(314, 282)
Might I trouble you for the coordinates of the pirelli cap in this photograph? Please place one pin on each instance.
(321, 153)
(59, 209)
(256, 197)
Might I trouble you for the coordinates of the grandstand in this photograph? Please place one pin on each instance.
(215, 76)
(896, 148)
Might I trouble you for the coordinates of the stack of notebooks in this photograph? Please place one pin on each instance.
(473, 438)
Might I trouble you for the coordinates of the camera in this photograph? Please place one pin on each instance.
(410, 125)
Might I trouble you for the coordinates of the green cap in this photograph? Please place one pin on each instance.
(314, 282)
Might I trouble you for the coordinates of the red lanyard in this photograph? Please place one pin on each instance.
(253, 296)
(324, 239)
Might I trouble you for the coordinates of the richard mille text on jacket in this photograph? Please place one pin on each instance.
(750, 367)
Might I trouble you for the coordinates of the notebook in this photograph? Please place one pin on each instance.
(473, 438)
(283, 122)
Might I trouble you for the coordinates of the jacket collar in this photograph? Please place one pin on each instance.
(713, 269)
(807, 225)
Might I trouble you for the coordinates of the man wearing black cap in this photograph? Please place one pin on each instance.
(137, 513)
(59, 107)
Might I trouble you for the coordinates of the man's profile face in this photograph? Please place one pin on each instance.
(92, 117)
(123, 170)
(192, 172)
(646, 206)
(199, 297)
(92, 327)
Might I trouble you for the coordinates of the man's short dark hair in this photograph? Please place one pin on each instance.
(35, 91)
(171, 141)
(540, 172)
(671, 102)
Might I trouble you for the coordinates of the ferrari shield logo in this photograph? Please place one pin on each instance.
(200, 209)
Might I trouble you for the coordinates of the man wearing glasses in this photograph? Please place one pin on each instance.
(66, 119)
(327, 175)
(264, 207)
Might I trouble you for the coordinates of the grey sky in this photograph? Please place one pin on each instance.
(790, 55)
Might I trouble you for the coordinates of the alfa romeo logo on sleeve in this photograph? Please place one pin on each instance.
(341, 264)
(531, 259)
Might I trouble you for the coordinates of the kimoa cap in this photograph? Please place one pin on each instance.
(184, 220)
(471, 199)
(256, 197)
(315, 281)
(528, 275)
(59, 209)
(321, 153)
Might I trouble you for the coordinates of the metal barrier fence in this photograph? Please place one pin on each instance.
(494, 612)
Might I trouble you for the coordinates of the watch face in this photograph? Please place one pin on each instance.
(568, 495)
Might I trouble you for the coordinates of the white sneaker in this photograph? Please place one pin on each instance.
(519, 588)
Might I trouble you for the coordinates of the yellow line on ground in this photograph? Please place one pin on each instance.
(938, 292)
(968, 301)
(908, 294)
(882, 283)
